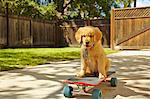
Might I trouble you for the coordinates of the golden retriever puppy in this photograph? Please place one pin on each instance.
(93, 58)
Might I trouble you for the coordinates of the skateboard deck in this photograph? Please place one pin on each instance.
(87, 81)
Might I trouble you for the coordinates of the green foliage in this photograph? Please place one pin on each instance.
(126, 3)
(24, 8)
(86, 9)
(29, 8)
(105, 7)
(49, 11)
(67, 9)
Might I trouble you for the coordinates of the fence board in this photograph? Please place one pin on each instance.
(13, 31)
(3, 31)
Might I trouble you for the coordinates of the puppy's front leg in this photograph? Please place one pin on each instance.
(101, 68)
(83, 69)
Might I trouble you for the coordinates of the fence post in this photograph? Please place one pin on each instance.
(7, 21)
(105, 39)
(56, 34)
(31, 34)
(112, 22)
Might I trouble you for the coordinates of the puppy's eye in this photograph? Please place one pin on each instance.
(90, 35)
(83, 35)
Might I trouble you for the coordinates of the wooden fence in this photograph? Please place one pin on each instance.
(18, 31)
(130, 28)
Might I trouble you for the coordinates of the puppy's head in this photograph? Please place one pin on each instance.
(88, 35)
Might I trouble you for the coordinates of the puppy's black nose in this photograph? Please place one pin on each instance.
(87, 43)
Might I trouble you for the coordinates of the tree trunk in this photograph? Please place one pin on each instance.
(134, 3)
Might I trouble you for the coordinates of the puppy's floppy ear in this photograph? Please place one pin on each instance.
(98, 34)
(78, 35)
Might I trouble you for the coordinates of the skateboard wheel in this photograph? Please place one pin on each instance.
(113, 82)
(96, 94)
(67, 91)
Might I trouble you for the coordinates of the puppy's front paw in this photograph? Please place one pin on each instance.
(101, 76)
(81, 74)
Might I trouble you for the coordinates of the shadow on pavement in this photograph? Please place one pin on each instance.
(43, 82)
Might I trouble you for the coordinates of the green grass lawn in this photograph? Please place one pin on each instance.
(25, 57)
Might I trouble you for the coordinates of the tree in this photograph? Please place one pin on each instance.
(126, 3)
(83, 8)
(63, 9)
(105, 6)
(134, 3)
(29, 8)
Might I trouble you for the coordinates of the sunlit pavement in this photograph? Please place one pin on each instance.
(44, 81)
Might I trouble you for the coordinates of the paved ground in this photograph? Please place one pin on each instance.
(43, 82)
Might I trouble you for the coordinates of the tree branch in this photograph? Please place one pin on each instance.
(68, 4)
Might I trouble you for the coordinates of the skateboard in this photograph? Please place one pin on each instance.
(86, 84)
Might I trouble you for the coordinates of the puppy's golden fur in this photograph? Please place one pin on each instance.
(93, 58)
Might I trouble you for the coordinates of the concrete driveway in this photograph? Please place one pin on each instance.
(43, 82)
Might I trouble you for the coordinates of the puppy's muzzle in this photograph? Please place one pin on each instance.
(87, 44)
